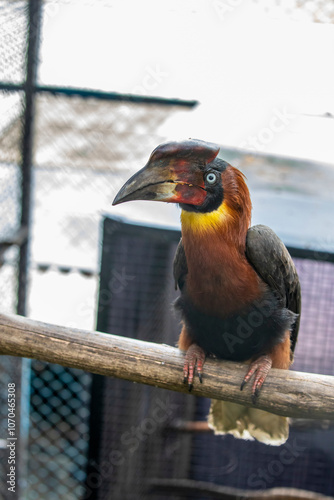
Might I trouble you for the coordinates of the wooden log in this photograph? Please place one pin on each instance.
(288, 393)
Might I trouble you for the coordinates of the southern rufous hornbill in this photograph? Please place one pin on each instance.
(240, 292)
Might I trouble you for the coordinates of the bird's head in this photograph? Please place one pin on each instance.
(190, 174)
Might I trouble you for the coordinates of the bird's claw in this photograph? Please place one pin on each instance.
(195, 356)
(260, 367)
(243, 383)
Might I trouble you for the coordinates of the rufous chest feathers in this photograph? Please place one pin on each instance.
(220, 279)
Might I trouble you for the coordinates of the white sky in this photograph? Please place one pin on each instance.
(245, 65)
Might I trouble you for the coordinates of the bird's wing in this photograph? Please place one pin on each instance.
(273, 263)
(180, 268)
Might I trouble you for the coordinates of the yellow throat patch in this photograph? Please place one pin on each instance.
(203, 222)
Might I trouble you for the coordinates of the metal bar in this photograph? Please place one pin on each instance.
(11, 87)
(32, 44)
(115, 96)
(98, 94)
(307, 253)
(34, 22)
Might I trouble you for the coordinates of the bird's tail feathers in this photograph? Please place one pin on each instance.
(248, 423)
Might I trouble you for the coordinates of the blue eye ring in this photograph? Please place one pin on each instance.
(211, 178)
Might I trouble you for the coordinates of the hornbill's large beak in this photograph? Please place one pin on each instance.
(172, 174)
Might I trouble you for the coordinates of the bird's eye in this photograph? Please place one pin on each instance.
(211, 178)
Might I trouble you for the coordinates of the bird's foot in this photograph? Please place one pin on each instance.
(261, 367)
(194, 356)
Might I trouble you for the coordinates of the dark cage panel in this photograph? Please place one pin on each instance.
(137, 439)
(130, 440)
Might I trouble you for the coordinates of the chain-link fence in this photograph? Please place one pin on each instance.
(59, 432)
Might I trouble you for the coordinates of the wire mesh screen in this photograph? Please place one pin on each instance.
(59, 428)
(83, 149)
(315, 349)
(13, 34)
(318, 11)
(136, 292)
(11, 107)
(13, 28)
(10, 194)
(10, 373)
(95, 133)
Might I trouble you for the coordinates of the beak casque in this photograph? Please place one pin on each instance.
(172, 174)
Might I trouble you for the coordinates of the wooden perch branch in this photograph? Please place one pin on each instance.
(293, 394)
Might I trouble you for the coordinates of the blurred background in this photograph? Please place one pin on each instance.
(87, 90)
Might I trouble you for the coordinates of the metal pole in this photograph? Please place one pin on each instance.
(34, 23)
(23, 375)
